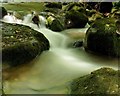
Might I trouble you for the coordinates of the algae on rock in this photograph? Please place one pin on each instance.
(102, 37)
(21, 44)
(102, 82)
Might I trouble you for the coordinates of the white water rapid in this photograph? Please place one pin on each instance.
(52, 71)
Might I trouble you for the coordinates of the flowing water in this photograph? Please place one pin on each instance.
(51, 72)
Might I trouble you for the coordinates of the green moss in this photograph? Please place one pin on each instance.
(23, 8)
(21, 44)
(99, 83)
(102, 38)
(55, 24)
(54, 5)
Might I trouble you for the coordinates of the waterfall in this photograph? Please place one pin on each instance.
(42, 21)
(10, 18)
(56, 40)
(54, 69)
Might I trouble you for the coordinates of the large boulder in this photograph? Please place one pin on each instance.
(21, 44)
(3, 12)
(75, 19)
(103, 37)
(102, 82)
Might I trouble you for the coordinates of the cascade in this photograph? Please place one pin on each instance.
(54, 69)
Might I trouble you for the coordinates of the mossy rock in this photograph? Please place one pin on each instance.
(94, 17)
(54, 5)
(116, 14)
(55, 24)
(75, 19)
(102, 82)
(21, 44)
(91, 5)
(76, 6)
(117, 5)
(52, 10)
(3, 12)
(102, 38)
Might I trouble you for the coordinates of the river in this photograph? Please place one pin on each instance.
(53, 70)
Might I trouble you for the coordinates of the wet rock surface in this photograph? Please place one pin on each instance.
(75, 19)
(104, 81)
(102, 37)
(21, 44)
(78, 43)
(3, 12)
(55, 24)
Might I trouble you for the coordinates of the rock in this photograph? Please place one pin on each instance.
(117, 5)
(78, 43)
(105, 9)
(55, 24)
(65, 3)
(54, 5)
(3, 12)
(102, 81)
(21, 44)
(76, 6)
(116, 14)
(52, 10)
(36, 20)
(92, 5)
(75, 19)
(118, 26)
(90, 12)
(94, 17)
(102, 38)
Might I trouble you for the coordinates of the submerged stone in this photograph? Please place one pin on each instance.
(102, 38)
(21, 44)
(78, 43)
(102, 82)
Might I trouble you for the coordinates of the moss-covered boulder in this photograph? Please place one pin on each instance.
(21, 44)
(103, 37)
(55, 24)
(3, 12)
(54, 5)
(75, 19)
(102, 82)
